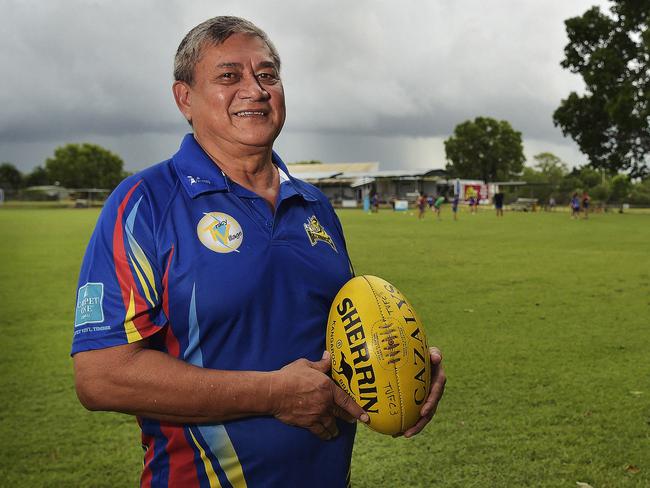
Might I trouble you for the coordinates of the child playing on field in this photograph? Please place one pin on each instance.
(575, 206)
(437, 205)
(421, 203)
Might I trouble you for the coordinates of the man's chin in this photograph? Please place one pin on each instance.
(263, 138)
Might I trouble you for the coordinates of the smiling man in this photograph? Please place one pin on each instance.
(203, 300)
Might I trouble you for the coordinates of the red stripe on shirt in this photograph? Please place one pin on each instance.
(147, 474)
(172, 344)
(123, 270)
(182, 470)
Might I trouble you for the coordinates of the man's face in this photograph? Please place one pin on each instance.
(237, 97)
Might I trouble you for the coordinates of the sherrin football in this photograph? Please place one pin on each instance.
(379, 352)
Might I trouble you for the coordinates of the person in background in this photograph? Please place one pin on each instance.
(574, 205)
(551, 204)
(498, 203)
(421, 203)
(454, 206)
(585, 204)
(437, 205)
(374, 202)
(471, 201)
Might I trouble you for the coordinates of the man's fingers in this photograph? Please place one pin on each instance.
(347, 404)
(431, 405)
(331, 427)
(437, 389)
(320, 431)
(436, 355)
(324, 365)
(437, 383)
(417, 427)
(342, 414)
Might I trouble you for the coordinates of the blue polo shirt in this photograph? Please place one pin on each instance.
(202, 266)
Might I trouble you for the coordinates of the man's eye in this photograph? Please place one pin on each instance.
(267, 78)
(228, 76)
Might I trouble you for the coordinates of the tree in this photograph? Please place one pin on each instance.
(621, 186)
(37, 177)
(10, 177)
(611, 120)
(569, 184)
(550, 165)
(85, 166)
(485, 149)
(536, 185)
(640, 193)
(544, 178)
(590, 177)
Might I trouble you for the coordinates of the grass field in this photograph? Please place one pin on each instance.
(544, 323)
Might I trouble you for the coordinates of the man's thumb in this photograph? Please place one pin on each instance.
(325, 364)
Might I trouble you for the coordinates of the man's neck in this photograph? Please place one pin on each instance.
(252, 168)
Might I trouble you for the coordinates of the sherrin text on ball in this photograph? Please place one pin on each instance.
(379, 352)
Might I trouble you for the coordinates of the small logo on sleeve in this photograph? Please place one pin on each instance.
(90, 308)
(316, 233)
(219, 232)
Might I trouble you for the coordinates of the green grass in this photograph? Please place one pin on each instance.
(543, 322)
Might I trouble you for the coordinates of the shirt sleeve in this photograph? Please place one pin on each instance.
(119, 295)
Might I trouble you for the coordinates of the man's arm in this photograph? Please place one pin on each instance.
(137, 380)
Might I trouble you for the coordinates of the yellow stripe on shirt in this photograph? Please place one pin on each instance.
(209, 469)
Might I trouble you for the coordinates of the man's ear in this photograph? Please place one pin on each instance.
(183, 97)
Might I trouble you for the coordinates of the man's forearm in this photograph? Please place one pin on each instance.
(146, 382)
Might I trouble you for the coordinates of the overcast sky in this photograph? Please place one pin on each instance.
(364, 80)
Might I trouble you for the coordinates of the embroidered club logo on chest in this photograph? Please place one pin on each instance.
(219, 232)
(316, 233)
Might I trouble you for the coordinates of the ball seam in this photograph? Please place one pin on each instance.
(395, 375)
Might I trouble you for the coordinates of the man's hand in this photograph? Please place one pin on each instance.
(302, 394)
(438, 380)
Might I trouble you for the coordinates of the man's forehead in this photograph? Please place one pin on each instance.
(230, 51)
(234, 64)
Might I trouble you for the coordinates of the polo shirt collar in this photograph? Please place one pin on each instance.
(199, 174)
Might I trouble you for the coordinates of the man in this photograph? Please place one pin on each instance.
(204, 292)
(498, 203)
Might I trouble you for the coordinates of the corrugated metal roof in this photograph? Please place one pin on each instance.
(313, 175)
(366, 180)
(299, 169)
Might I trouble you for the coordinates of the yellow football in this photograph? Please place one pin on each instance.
(379, 352)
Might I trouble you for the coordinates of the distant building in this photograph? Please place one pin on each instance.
(46, 192)
(353, 181)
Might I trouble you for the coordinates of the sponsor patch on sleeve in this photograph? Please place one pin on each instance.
(90, 309)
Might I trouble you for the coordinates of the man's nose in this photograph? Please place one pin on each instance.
(251, 88)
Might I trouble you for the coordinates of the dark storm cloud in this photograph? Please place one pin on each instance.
(85, 67)
(410, 69)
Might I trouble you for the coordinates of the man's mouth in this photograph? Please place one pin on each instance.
(250, 113)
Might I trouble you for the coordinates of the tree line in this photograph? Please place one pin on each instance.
(72, 166)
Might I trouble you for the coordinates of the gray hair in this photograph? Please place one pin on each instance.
(213, 32)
